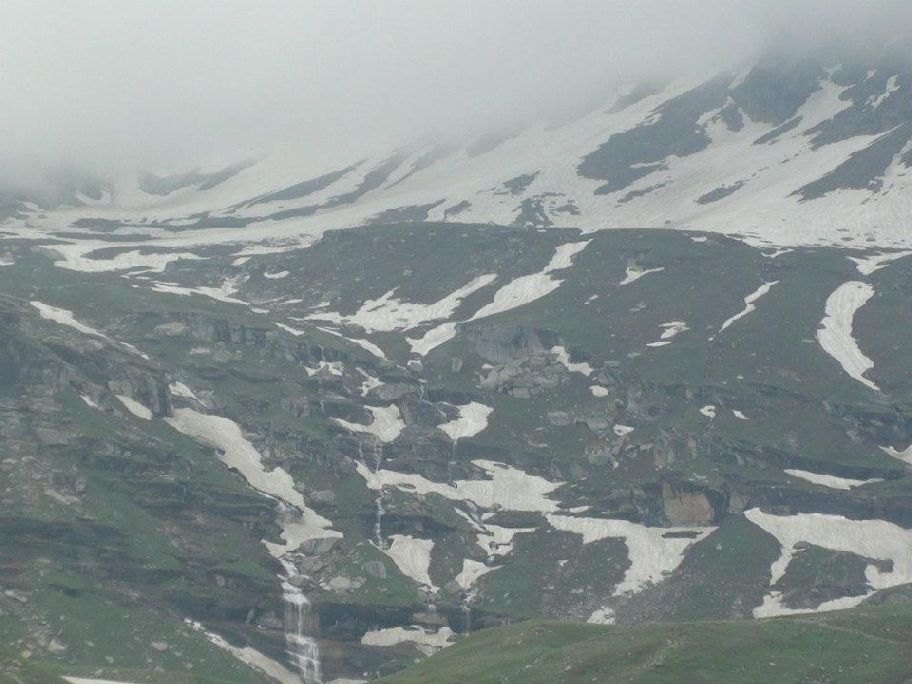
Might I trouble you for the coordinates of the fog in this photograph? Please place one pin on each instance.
(116, 85)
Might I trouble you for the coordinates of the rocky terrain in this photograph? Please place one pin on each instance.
(256, 429)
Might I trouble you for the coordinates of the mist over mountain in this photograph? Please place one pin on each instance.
(455, 342)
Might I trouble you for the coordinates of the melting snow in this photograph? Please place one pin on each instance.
(709, 411)
(622, 430)
(563, 358)
(528, 288)
(831, 481)
(64, 317)
(602, 616)
(876, 539)
(598, 391)
(671, 329)
(869, 264)
(634, 273)
(905, 455)
(471, 571)
(386, 425)
(749, 303)
(509, 488)
(518, 292)
(251, 656)
(653, 555)
(472, 419)
(179, 389)
(426, 641)
(369, 382)
(413, 557)
(235, 451)
(388, 313)
(835, 332)
(498, 541)
(135, 407)
(276, 276)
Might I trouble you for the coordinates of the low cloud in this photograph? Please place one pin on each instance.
(114, 85)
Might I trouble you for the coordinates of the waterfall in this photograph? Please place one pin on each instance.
(378, 525)
(302, 649)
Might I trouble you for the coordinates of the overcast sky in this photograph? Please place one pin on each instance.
(169, 84)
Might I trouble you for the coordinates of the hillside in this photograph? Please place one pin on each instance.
(863, 646)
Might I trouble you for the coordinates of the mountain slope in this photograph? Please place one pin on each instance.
(864, 646)
(648, 365)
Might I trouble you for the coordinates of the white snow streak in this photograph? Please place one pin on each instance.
(831, 481)
(472, 419)
(749, 303)
(835, 332)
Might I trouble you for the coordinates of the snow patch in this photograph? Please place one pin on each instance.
(388, 313)
(653, 554)
(413, 558)
(602, 616)
(876, 539)
(869, 264)
(671, 329)
(563, 358)
(749, 303)
(831, 481)
(471, 571)
(904, 455)
(472, 419)
(634, 273)
(386, 425)
(508, 488)
(134, 407)
(835, 332)
(425, 641)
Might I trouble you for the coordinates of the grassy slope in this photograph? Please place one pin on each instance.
(868, 645)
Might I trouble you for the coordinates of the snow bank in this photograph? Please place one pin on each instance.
(386, 425)
(388, 313)
(238, 453)
(425, 641)
(904, 455)
(671, 329)
(472, 419)
(413, 557)
(518, 292)
(471, 571)
(876, 539)
(831, 481)
(835, 332)
(64, 317)
(653, 554)
(528, 288)
(634, 273)
(235, 451)
(869, 264)
(273, 669)
(134, 407)
(508, 488)
(563, 358)
(749, 303)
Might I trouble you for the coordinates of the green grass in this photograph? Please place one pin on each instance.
(862, 646)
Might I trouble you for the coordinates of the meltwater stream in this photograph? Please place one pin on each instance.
(303, 650)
